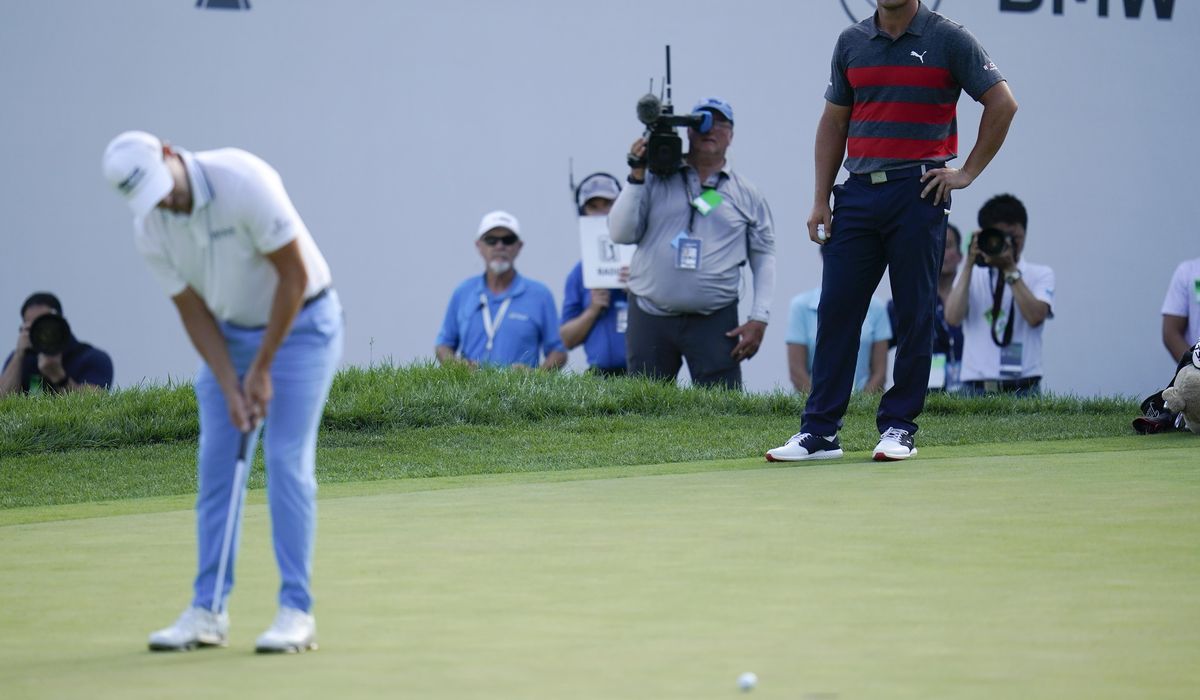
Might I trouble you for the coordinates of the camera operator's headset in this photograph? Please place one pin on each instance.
(589, 178)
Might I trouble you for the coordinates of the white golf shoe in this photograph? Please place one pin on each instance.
(196, 627)
(293, 631)
(802, 446)
(894, 445)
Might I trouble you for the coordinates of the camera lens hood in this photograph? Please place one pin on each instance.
(49, 334)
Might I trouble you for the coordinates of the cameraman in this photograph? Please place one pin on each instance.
(75, 366)
(694, 230)
(1002, 306)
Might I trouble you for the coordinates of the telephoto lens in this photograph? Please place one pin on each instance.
(992, 241)
(49, 334)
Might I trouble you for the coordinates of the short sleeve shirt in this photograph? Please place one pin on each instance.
(802, 330)
(1183, 297)
(240, 214)
(526, 332)
(904, 92)
(981, 355)
(605, 343)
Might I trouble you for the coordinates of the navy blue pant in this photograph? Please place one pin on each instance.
(875, 227)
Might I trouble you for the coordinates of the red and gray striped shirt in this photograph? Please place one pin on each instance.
(903, 92)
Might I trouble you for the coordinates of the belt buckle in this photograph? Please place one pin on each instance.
(878, 177)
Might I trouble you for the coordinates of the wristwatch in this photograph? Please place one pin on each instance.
(1012, 277)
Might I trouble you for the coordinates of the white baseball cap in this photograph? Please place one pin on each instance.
(498, 219)
(134, 166)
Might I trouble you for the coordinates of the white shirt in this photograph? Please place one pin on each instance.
(1183, 297)
(240, 213)
(981, 355)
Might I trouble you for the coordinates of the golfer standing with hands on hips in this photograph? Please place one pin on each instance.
(890, 109)
(253, 291)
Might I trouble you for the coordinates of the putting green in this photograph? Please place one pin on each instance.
(1060, 574)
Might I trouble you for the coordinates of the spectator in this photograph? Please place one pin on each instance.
(224, 240)
(500, 317)
(947, 339)
(1002, 302)
(685, 275)
(1181, 310)
(870, 371)
(595, 317)
(70, 366)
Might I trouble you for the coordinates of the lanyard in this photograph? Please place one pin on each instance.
(687, 192)
(489, 326)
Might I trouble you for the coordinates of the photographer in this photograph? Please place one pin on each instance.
(50, 359)
(695, 228)
(1002, 302)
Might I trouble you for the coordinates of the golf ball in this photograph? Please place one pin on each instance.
(747, 681)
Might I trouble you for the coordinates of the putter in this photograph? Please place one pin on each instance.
(239, 477)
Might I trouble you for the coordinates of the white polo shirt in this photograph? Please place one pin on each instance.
(982, 358)
(1183, 297)
(240, 213)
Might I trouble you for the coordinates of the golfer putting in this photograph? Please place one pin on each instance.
(222, 237)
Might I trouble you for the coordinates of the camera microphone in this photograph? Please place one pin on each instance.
(649, 109)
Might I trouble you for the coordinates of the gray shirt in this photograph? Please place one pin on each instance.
(737, 231)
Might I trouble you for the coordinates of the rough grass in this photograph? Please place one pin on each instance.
(384, 399)
(422, 421)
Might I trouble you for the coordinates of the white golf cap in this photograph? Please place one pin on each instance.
(134, 166)
(498, 219)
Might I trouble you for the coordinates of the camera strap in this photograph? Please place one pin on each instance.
(997, 302)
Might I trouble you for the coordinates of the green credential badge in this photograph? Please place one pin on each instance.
(711, 199)
(1196, 284)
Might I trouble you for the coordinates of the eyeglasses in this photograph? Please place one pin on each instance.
(491, 241)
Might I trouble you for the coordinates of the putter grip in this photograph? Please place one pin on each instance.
(243, 443)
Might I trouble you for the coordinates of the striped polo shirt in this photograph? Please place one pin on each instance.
(903, 92)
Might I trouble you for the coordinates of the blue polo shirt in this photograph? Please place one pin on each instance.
(604, 344)
(528, 330)
(802, 330)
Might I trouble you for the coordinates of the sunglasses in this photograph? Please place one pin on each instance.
(491, 241)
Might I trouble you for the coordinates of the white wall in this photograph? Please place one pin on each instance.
(397, 124)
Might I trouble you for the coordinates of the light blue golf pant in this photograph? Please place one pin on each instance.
(301, 374)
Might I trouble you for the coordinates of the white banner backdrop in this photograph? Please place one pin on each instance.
(397, 125)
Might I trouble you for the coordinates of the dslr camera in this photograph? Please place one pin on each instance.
(49, 334)
(992, 241)
(664, 148)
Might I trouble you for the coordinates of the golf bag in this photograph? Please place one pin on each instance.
(1156, 417)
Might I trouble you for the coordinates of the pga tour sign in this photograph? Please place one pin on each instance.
(602, 259)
